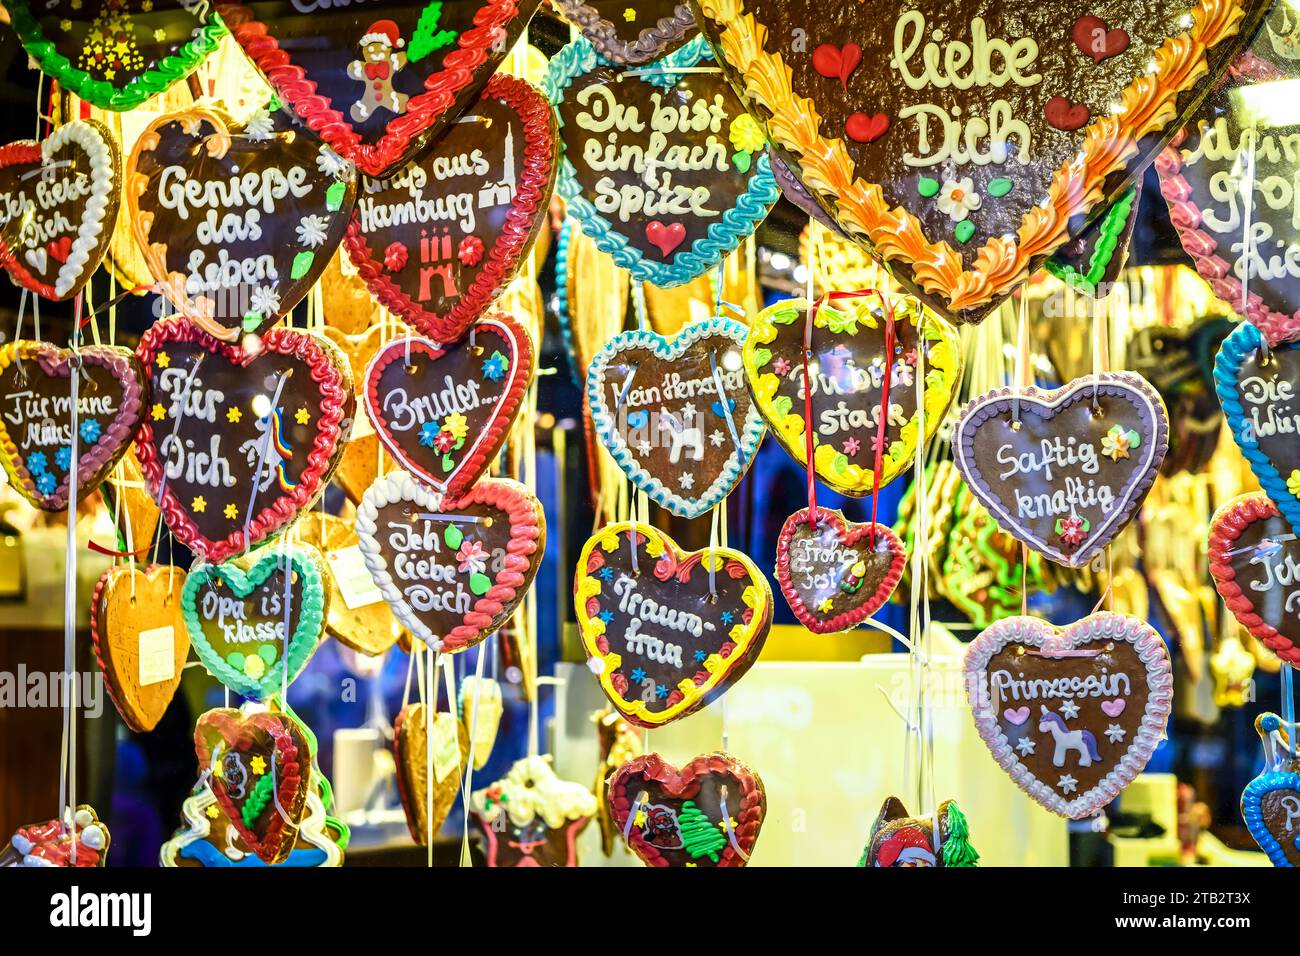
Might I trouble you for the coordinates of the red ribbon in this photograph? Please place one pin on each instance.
(810, 319)
(135, 290)
(100, 549)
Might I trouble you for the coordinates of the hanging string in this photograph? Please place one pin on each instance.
(264, 446)
(68, 749)
(468, 786)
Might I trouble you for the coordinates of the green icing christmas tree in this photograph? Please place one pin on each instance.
(428, 38)
(957, 850)
(699, 836)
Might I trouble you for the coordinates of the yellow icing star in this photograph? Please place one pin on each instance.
(302, 417)
(639, 819)
(158, 412)
(232, 512)
(65, 25)
(160, 35)
(199, 504)
(629, 14)
(258, 765)
(825, 606)
(729, 823)
(234, 415)
(162, 360)
(213, 811)
(110, 73)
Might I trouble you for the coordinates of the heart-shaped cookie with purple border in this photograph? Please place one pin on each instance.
(631, 33)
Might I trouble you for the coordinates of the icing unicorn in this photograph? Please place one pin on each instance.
(1067, 739)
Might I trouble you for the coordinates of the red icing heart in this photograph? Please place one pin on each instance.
(837, 63)
(866, 129)
(1064, 115)
(1094, 39)
(239, 752)
(59, 248)
(665, 237)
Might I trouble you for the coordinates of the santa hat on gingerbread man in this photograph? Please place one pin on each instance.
(909, 846)
(383, 31)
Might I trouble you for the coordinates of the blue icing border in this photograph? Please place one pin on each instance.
(562, 298)
(751, 432)
(1244, 342)
(1252, 810)
(205, 854)
(723, 236)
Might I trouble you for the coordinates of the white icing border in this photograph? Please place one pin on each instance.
(96, 148)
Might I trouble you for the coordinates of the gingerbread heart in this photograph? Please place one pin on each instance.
(453, 570)
(127, 498)
(801, 198)
(1257, 389)
(665, 171)
(256, 621)
(708, 613)
(706, 814)
(359, 466)
(531, 817)
(847, 379)
(444, 748)
(141, 643)
(110, 54)
(1253, 559)
(358, 616)
(973, 143)
(675, 414)
(37, 443)
(1270, 804)
(1063, 471)
(1222, 139)
(481, 710)
(1092, 261)
(899, 839)
(259, 766)
(836, 573)
(1073, 714)
(438, 240)
(443, 413)
(58, 207)
(630, 34)
(236, 444)
(236, 222)
(378, 90)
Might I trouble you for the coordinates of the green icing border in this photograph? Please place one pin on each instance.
(1112, 227)
(102, 93)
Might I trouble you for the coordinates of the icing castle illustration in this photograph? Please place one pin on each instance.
(503, 191)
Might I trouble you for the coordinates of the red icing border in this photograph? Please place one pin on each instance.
(527, 214)
(849, 533)
(472, 467)
(320, 463)
(749, 814)
(1229, 522)
(403, 133)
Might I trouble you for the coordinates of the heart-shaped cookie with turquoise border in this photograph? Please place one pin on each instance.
(377, 81)
(236, 222)
(965, 144)
(112, 54)
(255, 622)
(665, 171)
(675, 413)
(1270, 804)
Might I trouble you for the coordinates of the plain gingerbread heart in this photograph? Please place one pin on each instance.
(410, 751)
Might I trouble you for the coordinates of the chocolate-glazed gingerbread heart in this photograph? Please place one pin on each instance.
(1072, 714)
(378, 81)
(665, 171)
(964, 143)
(629, 34)
(453, 570)
(1063, 471)
(444, 413)
(412, 753)
(899, 839)
(359, 463)
(531, 817)
(797, 194)
(58, 207)
(255, 621)
(36, 420)
(438, 240)
(1091, 261)
(1225, 134)
(656, 407)
(112, 54)
(1270, 804)
(140, 640)
(1255, 562)
(358, 616)
(847, 381)
(836, 573)
(259, 766)
(708, 813)
(234, 445)
(664, 635)
(236, 222)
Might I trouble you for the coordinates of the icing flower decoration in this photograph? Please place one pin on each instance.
(456, 424)
(781, 366)
(1117, 442)
(851, 447)
(264, 300)
(37, 462)
(445, 441)
(1293, 482)
(428, 432)
(260, 126)
(46, 483)
(395, 257)
(90, 431)
(63, 458)
(330, 163)
(470, 251)
(957, 199)
(471, 558)
(745, 134)
(1072, 530)
(495, 368)
(311, 230)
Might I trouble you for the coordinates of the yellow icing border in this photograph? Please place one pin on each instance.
(942, 372)
(758, 597)
(1147, 106)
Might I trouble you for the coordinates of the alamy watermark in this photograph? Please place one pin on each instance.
(39, 689)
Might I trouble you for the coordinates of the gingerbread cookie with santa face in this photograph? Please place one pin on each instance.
(898, 839)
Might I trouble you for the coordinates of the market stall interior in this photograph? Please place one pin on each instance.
(506, 433)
